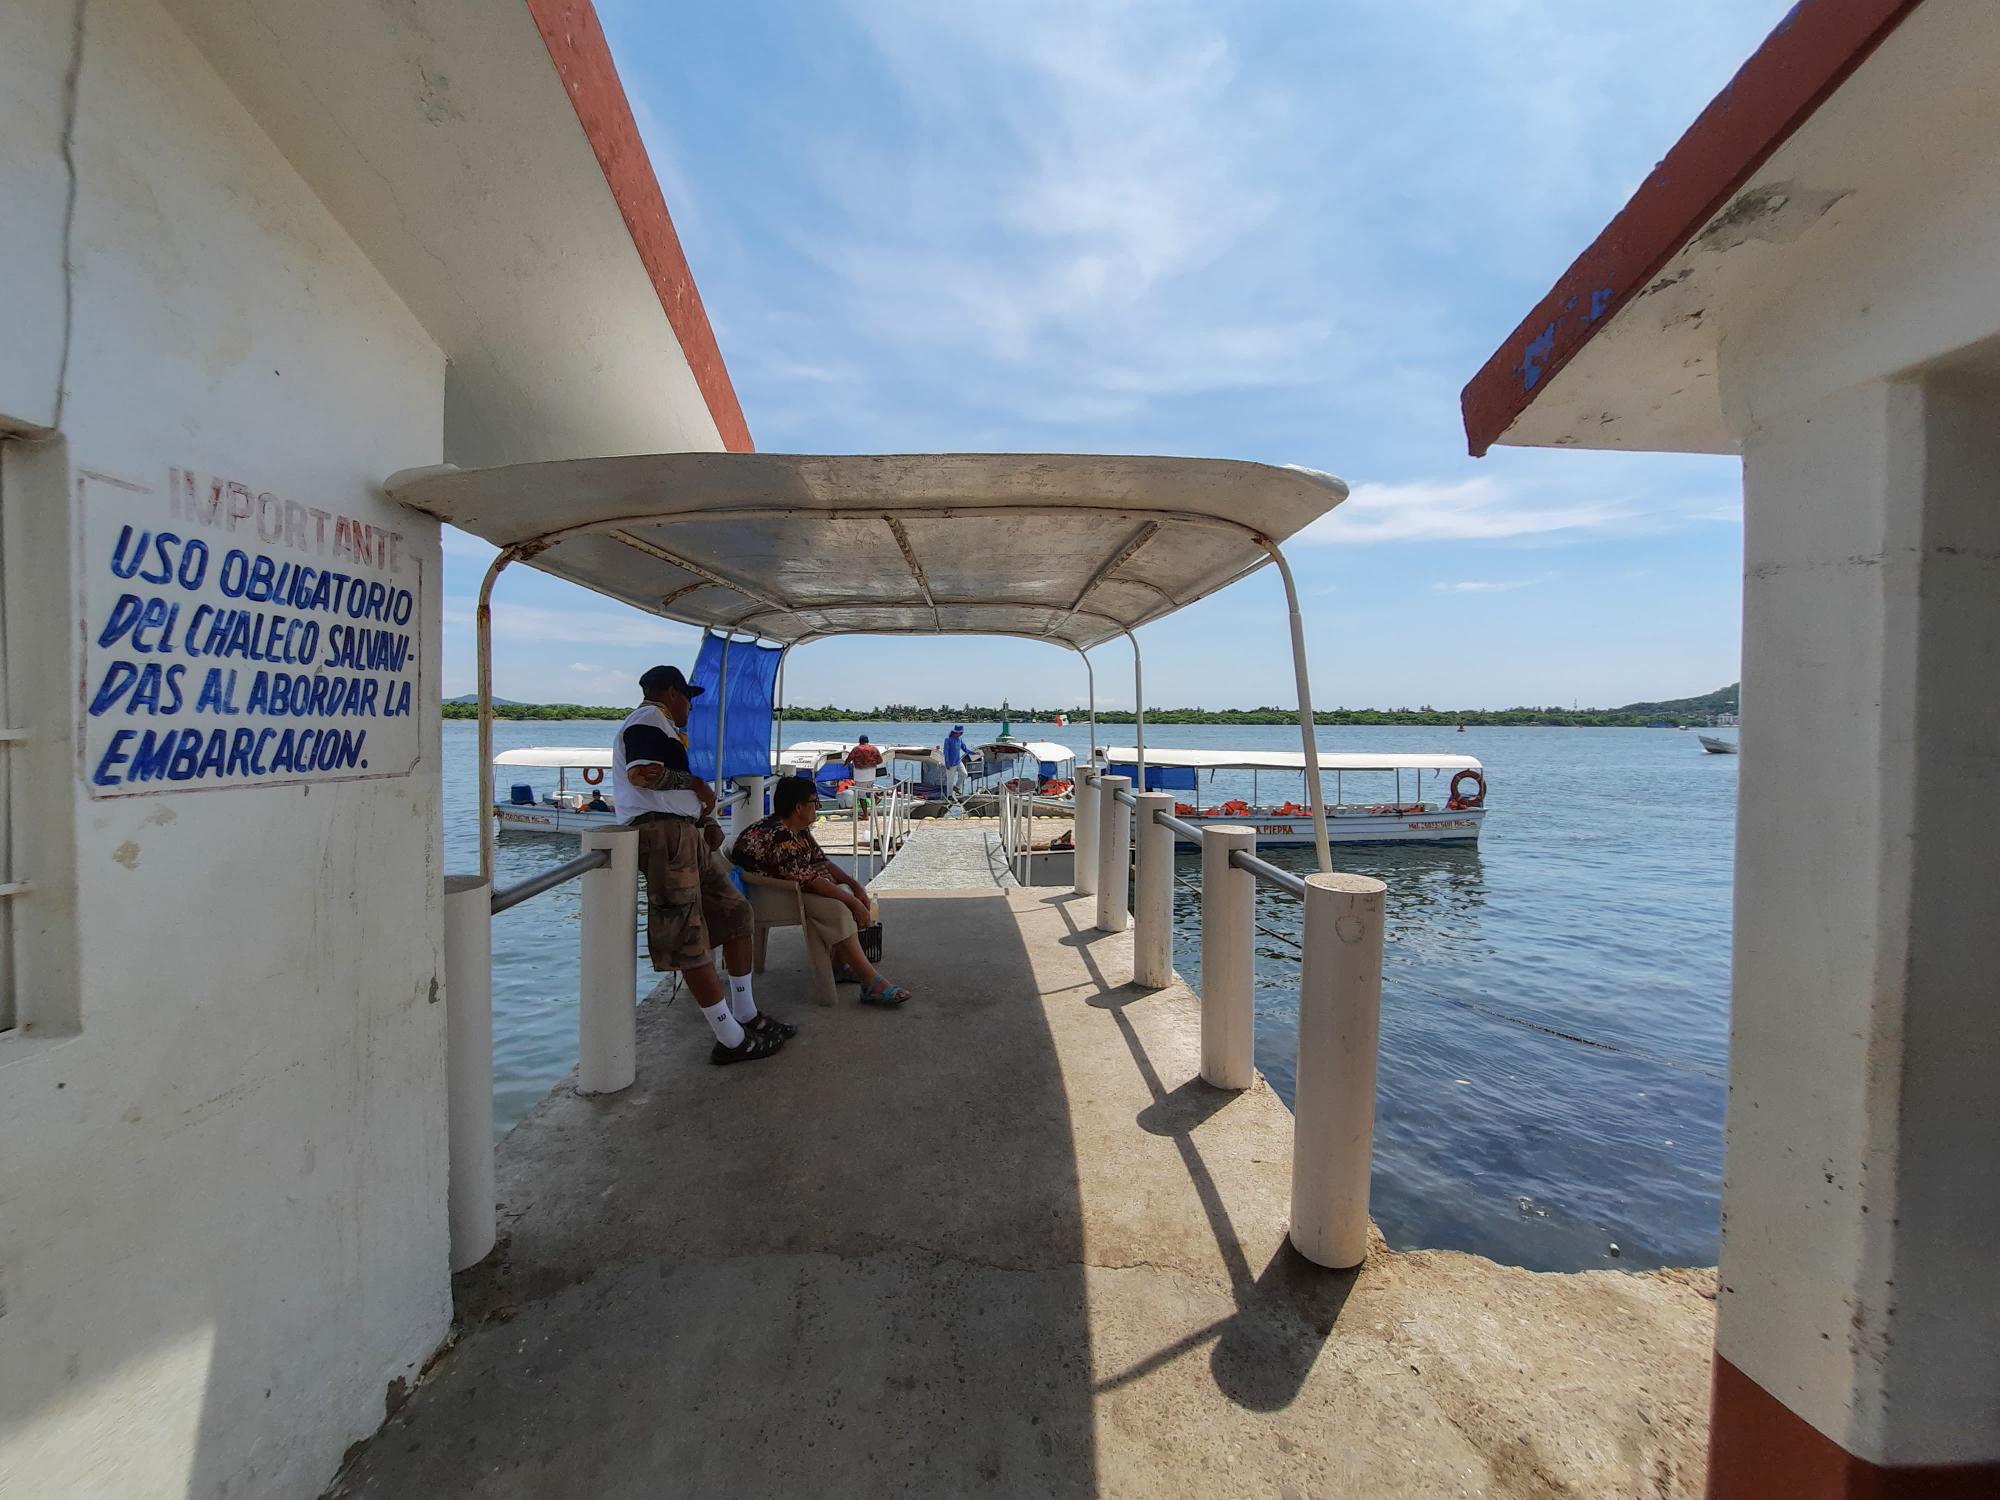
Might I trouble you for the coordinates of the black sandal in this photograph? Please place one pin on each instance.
(755, 1047)
(766, 1024)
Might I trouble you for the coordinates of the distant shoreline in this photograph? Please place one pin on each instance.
(1507, 718)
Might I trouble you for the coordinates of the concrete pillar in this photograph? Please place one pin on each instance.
(1228, 959)
(1153, 902)
(468, 1026)
(755, 788)
(1858, 1331)
(1085, 833)
(608, 967)
(1340, 1027)
(1114, 854)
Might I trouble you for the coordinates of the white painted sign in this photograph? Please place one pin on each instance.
(238, 637)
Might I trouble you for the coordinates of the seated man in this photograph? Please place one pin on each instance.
(782, 847)
(597, 803)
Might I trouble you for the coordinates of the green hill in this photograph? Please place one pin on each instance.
(1721, 701)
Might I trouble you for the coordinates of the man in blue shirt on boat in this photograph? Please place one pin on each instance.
(954, 761)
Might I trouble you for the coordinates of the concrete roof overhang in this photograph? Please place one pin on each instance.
(1073, 549)
(484, 157)
(1822, 147)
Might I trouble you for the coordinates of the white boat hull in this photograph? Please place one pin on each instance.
(1716, 746)
(1459, 826)
(517, 818)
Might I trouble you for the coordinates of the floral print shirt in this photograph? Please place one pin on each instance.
(770, 848)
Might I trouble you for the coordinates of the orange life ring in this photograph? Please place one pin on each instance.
(593, 776)
(1478, 798)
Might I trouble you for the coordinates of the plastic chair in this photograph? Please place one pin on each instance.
(780, 903)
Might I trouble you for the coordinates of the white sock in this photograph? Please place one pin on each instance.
(742, 1004)
(723, 1024)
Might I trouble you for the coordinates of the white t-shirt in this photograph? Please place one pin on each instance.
(649, 737)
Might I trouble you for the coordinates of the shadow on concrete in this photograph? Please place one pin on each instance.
(1284, 1313)
(855, 1269)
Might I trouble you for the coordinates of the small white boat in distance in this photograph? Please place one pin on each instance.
(518, 809)
(807, 756)
(1405, 816)
(1715, 746)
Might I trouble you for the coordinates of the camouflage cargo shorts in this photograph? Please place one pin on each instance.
(691, 906)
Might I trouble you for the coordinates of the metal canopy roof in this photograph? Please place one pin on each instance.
(1069, 548)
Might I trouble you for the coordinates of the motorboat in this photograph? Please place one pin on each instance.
(1716, 746)
(566, 809)
(1408, 814)
(1040, 766)
(809, 757)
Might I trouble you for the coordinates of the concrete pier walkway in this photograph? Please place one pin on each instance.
(1004, 1242)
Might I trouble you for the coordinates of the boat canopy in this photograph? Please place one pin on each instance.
(1074, 549)
(1285, 760)
(558, 757)
(1048, 751)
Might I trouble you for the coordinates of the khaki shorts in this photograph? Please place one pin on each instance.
(831, 919)
(691, 906)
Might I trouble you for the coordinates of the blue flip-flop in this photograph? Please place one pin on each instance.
(884, 992)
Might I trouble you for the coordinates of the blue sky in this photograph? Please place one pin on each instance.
(1264, 230)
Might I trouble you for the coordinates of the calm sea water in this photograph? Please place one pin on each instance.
(1597, 905)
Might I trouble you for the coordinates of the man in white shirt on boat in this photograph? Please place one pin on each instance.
(691, 906)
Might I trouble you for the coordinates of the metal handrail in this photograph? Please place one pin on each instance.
(547, 880)
(1243, 860)
(1185, 829)
(1127, 796)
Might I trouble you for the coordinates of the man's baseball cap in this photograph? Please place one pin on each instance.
(958, 729)
(656, 680)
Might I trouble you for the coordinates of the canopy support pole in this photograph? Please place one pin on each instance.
(1090, 675)
(1138, 710)
(778, 711)
(1318, 794)
(721, 723)
(482, 630)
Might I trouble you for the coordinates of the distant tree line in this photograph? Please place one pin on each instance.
(1696, 711)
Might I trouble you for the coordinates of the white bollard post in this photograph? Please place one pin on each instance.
(1228, 958)
(1114, 855)
(1340, 1027)
(752, 809)
(1153, 902)
(1083, 833)
(468, 1033)
(608, 966)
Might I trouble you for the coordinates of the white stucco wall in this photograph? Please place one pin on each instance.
(222, 1166)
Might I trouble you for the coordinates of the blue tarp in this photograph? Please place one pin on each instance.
(1158, 778)
(746, 699)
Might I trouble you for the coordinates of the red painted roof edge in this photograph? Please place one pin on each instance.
(577, 46)
(1811, 53)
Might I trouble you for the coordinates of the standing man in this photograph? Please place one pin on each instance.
(954, 761)
(690, 904)
(864, 760)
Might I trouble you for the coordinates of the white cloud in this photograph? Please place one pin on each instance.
(536, 624)
(456, 543)
(1486, 586)
(589, 682)
(1477, 509)
(1094, 194)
